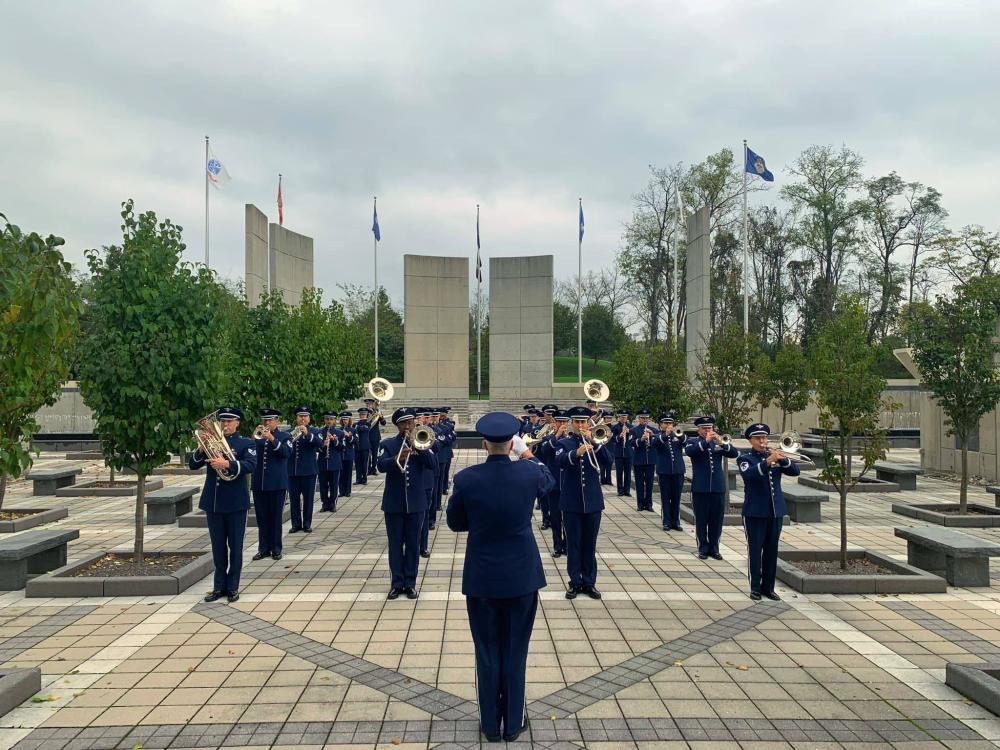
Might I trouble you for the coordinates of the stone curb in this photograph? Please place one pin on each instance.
(908, 580)
(59, 583)
(17, 686)
(89, 489)
(38, 517)
(987, 518)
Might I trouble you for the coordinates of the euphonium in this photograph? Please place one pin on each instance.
(212, 443)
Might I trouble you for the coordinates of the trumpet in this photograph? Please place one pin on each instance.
(212, 443)
(298, 432)
(539, 436)
(261, 432)
(679, 432)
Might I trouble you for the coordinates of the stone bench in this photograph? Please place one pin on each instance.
(995, 491)
(164, 506)
(804, 504)
(963, 560)
(902, 474)
(47, 481)
(817, 455)
(32, 553)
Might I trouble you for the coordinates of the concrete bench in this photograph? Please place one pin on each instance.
(32, 553)
(164, 506)
(995, 491)
(963, 560)
(903, 475)
(804, 503)
(47, 481)
(817, 455)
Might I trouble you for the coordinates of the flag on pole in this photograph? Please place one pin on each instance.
(375, 230)
(479, 260)
(217, 173)
(581, 221)
(281, 205)
(755, 165)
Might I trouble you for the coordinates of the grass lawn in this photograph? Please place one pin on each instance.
(564, 369)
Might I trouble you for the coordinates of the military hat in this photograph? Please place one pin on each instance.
(230, 412)
(497, 426)
(623, 413)
(370, 400)
(270, 414)
(591, 401)
(561, 416)
(667, 417)
(756, 429)
(529, 406)
(578, 412)
(446, 409)
(329, 415)
(704, 421)
(642, 413)
(402, 414)
(435, 412)
(346, 413)
(303, 411)
(549, 409)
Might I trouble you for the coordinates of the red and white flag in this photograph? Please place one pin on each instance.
(281, 205)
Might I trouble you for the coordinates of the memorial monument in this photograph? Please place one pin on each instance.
(698, 291)
(276, 258)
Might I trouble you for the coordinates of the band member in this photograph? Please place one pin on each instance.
(608, 420)
(330, 463)
(644, 460)
(347, 456)
(670, 471)
(446, 432)
(623, 453)
(374, 434)
(302, 471)
(362, 446)
(763, 508)
(404, 502)
(708, 485)
(545, 502)
(547, 453)
(270, 483)
(431, 479)
(226, 503)
(581, 501)
(493, 501)
(446, 469)
(524, 417)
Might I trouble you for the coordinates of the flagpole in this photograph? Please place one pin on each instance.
(479, 313)
(680, 226)
(206, 201)
(579, 293)
(375, 243)
(746, 255)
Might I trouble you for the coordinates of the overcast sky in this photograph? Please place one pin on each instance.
(521, 107)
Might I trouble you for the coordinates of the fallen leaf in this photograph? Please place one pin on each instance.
(44, 698)
(137, 746)
(743, 668)
(553, 717)
(190, 670)
(678, 664)
(396, 741)
(231, 652)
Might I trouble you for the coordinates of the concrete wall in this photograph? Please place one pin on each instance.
(291, 258)
(939, 452)
(68, 414)
(698, 291)
(255, 224)
(904, 392)
(436, 326)
(521, 327)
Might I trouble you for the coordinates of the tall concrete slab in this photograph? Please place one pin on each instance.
(698, 291)
(521, 327)
(256, 254)
(291, 263)
(436, 327)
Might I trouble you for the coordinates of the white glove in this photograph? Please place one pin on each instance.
(519, 446)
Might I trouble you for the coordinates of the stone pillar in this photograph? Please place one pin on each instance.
(291, 263)
(256, 254)
(521, 327)
(698, 291)
(436, 327)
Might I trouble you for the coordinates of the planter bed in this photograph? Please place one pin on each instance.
(68, 582)
(903, 578)
(196, 519)
(867, 484)
(28, 518)
(106, 488)
(85, 456)
(946, 514)
(977, 682)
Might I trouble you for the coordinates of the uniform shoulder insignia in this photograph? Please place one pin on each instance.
(289, 443)
(744, 465)
(252, 451)
(381, 450)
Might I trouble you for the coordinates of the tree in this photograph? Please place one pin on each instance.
(971, 253)
(955, 345)
(651, 378)
(792, 381)
(602, 334)
(39, 320)
(926, 230)
(563, 328)
(849, 396)
(762, 386)
(151, 358)
(725, 377)
(771, 246)
(356, 301)
(484, 317)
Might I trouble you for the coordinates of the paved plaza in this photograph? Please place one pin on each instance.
(675, 655)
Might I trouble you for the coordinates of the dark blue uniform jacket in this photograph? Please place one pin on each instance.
(669, 453)
(580, 483)
(302, 462)
(403, 493)
(706, 464)
(218, 496)
(271, 472)
(331, 458)
(762, 495)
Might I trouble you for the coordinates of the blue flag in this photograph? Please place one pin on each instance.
(581, 221)
(755, 165)
(375, 229)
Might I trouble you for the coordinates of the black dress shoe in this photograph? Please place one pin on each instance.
(772, 596)
(491, 737)
(626, 494)
(667, 528)
(702, 556)
(557, 553)
(411, 593)
(425, 553)
(234, 596)
(571, 592)
(276, 556)
(678, 528)
(716, 556)
(261, 555)
(431, 526)
(512, 736)
(294, 530)
(592, 592)
(755, 595)
(307, 529)
(394, 593)
(546, 526)
(214, 596)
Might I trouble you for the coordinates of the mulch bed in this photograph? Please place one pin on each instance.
(13, 515)
(971, 510)
(122, 564)
(855, 567)
(106, 484)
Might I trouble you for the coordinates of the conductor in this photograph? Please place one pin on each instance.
(494, 501)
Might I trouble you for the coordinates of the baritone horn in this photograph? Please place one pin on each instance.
(596, 390)
(212, 443)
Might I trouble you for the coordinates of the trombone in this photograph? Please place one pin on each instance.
(600, 434)
(421, 439)
(791, 447)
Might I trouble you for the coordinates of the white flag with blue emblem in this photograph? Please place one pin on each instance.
(217, 173)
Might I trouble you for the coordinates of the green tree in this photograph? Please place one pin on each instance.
(762, 386)
(849, 395)
(651, 378)
(955, 346)
(357, 303)
(792, 381)
(563, 328)
(39, 320)
(602, 334)
(151, 358)
(725, 382)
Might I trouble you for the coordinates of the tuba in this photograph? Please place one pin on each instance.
(381, 390)
(596, 390)
(212, 443)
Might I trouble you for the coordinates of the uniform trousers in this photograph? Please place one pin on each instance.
(301, 491)
(425, 527)
(501, 633)
(644, 486)
(361, 464)
(762, 552)
(556, 523)
(545, 504)
(269, 507)
(581, 546)
(671, 486)
(709, 509)
(403, 531)
(606, 473)
(329, 486)
(446, 473)
(227, 531)
(623, 474)
(372, 456)
(346, 475)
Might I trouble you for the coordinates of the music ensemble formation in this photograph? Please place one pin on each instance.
(553, 460)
